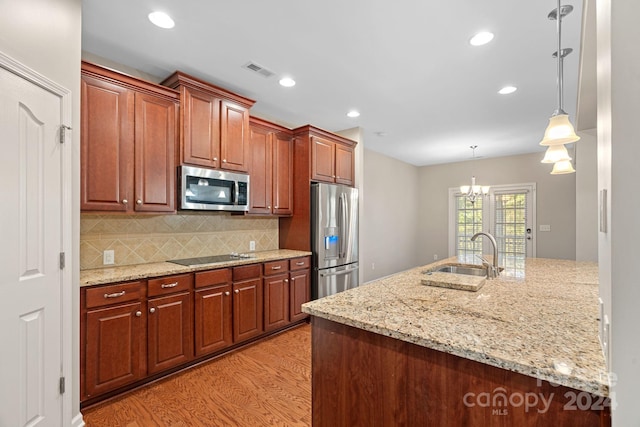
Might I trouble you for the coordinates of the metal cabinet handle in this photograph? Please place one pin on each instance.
(236, 291)
(293, 279)
(224, 160)
(169, 285)
(138, 313)
(215, 159)
(125, 201)
(114, 295)
(138, 202)
(300, 263)
(268, 207)
(152, 310)
(286, 280)
(276, 267)
(275, 207)
(227, 293)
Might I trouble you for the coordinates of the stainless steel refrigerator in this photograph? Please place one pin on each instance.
(334, 238)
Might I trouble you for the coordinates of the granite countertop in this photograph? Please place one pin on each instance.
(123, 273)
(541, 321)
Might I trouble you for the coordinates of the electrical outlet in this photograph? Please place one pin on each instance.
(373, 265)
(435, 257)
(545, 228)
(252, 245)
(108, 257)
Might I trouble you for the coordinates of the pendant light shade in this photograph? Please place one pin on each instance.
(556, 153)
(563, 167)
(474, 191)
(559, 131)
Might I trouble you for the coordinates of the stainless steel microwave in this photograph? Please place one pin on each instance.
(213, 190)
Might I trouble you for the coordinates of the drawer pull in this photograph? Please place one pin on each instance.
(276, 267)
(114, 295)
(236, 291)
(169, 285)
(300, 263)
(138, 313)
(227, 293)
(152, 310)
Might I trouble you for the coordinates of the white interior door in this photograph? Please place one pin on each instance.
(30, 275)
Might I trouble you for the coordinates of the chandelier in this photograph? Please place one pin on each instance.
(560, 131)
(473, 191)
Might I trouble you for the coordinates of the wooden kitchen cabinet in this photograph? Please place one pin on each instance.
(247, 302)
(213, 308)
(128, 143)
(299, 287)
(271, 169)
(276, 295)
(169, 327)
(214, 124)
(331, 161)
(112, 337)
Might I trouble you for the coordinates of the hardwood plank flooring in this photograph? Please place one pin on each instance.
(265, 384)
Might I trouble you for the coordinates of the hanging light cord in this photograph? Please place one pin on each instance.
(559, 55)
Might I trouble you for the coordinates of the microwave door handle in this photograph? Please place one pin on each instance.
(237, 192)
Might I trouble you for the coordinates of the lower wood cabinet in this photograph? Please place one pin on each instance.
(135, 330)
(213, 320)
(247, 302)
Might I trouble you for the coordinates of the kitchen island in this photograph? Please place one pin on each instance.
(523, 350)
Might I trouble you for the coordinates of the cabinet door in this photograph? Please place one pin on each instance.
(155, 147)
(106, 146)
(276, 302)
(213, 319)
(234, 137)
(344, 165)
(300, 288)
(114, 347)
(201, 128)
(260, 170)
(282, 175)
(322, 160)
(169, 333)
(247, 309)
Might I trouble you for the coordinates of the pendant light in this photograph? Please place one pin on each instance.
(560, 131)
(473, 191)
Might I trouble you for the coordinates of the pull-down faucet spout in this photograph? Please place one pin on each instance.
(492, 270)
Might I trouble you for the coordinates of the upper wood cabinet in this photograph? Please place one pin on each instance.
(128, 143)
(271, 169)
(214, 122)
(331, 161)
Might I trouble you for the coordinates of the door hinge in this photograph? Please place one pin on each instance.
(62, 385)
(62, 260)
(63, 132)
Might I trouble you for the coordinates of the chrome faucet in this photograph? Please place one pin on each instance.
(492, 270)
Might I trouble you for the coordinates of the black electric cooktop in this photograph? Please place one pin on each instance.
(190, 262)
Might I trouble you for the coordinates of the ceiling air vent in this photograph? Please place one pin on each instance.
(264, 72)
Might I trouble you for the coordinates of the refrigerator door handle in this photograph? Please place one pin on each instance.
(343, 224)
(339, 273)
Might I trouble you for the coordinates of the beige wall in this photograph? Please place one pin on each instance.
(138, 239)
(618, 173)
(45, 35)
(390, 216)
(586, 196)
(556, 202)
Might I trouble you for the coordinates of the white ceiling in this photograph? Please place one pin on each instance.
(406, 66)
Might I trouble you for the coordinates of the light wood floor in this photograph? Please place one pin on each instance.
(266, 384)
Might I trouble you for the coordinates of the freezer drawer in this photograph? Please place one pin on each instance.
(330, 281)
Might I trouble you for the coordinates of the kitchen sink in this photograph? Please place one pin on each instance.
(459, 269)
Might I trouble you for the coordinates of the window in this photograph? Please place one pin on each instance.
(508, 213)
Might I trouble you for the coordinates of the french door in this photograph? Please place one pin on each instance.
(508, 213)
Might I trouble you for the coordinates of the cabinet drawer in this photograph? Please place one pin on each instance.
(213, 277)
(114, 294)
(275, 267)
(246, 272)
(169, 285)
(299, 263)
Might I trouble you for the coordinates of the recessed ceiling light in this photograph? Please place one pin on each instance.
(353, 113)
(481, 38)
(507, 90)
(162, 20)
(287, 82)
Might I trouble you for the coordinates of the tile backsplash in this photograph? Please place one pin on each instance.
(138, 239)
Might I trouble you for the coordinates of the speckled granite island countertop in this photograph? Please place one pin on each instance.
(541, 322)
(123, 273)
